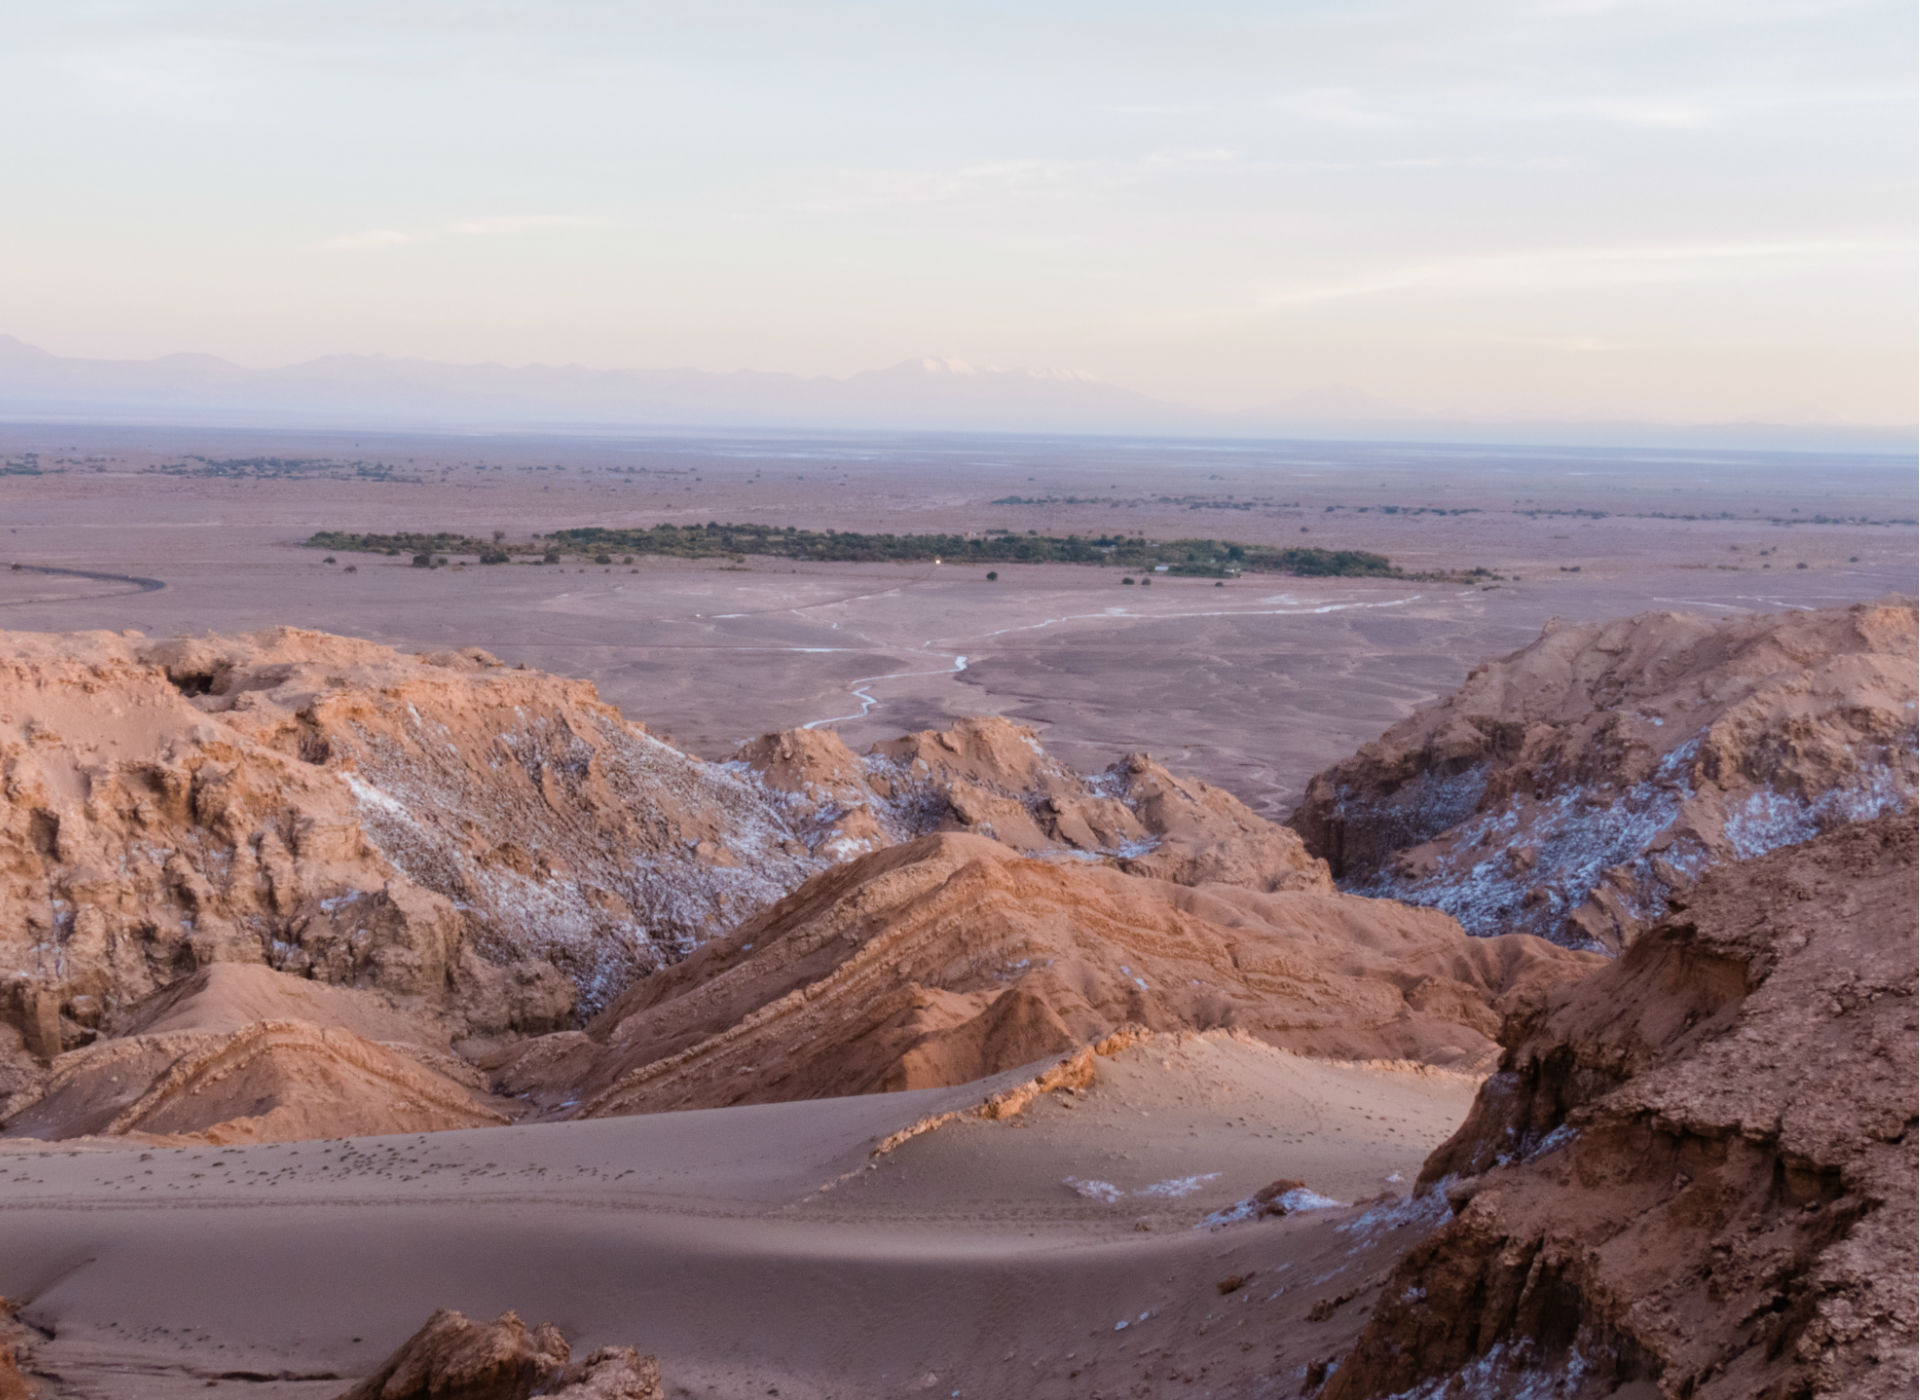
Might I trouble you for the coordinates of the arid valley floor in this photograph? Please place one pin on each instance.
(1256, 686)
(959, 1058)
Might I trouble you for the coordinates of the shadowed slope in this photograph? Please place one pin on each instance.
(1695, 1169)
(1567, 789)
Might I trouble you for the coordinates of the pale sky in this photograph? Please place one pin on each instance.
(1696, 210)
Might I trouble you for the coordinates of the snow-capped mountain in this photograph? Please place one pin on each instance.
(927, 393)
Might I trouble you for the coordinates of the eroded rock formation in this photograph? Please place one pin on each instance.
(487, 852)
(15, 1352)
(240, 1053)
(1568, 789)
(991, 777)
(495, 842)
(1694, 1172)
(953, 957)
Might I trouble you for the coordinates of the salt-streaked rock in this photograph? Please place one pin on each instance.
(1569, 789)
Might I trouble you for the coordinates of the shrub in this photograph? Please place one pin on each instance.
(993, 575)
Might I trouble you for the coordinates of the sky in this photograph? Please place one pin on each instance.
(1669, 211)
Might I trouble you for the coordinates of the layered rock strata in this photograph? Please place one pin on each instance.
(953, 957)
(239, 1053)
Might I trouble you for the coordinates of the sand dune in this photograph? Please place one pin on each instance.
(963, 1255)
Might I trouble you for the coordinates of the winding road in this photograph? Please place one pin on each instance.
(135, 584)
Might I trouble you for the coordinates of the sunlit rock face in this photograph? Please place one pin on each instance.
(495, 844)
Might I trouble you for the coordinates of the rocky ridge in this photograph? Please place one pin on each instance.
(490, 842)
(953, 957)
(240, 1053)
(991, 777)
(487, 851)
(1567, 790)
(1693, 1174)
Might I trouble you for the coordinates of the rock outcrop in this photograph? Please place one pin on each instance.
(952, 957)
(14, 1351)
(1568, 789)
(495, 842)
(239, 1053)
(1694, 1172)
(991, 777)
(455, 1358)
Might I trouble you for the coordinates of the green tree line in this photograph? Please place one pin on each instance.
(1207, 557)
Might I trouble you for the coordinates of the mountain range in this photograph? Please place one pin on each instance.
(924, 394)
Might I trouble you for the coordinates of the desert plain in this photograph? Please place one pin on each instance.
(1256, 685)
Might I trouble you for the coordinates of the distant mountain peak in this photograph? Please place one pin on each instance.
(939, 364)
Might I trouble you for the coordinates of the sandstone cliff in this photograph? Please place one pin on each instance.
(1568, 789)
(1694, 1172)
